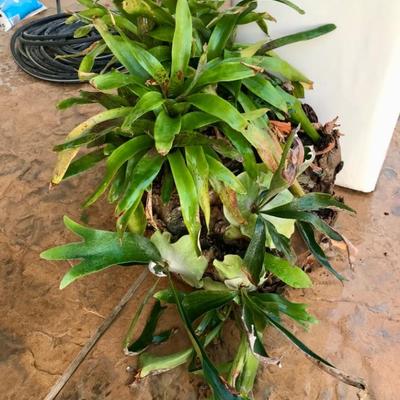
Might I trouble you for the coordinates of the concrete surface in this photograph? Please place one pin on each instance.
(43, 328)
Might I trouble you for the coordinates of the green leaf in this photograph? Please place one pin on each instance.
(273, 321)
(264, 89)
(220, 108)
(224, 71)
(219, 172)
(318, 201)
(148, 62)
(291, 5)
(146, 337)
(248, 106)
(297, 37)
(137, 221)
(136, 316)
(221, 34)
(281, 242)
(219, 388)
(318, 360)
(255, 322)
(279, 181)
(100, 250)
(82, 31)
(255, 252)
(187, 194)
(155, 364)
(272, 303)
(181, 257)
(122, 49)
(276, 66)
(286, 272)
(114, 80)
(221, 146)
(307, 234)
(167, 185)
(181, 44)
(66, 156)
(88, 138)
(165, 130)
(244, 148)
(198, 167)
(196, 120)
(148, 102)
(87, 63)
(198, 302)
(164, 33)
(290, 211)
(142, 176)
(119, 156)
(105, 99)
(84, 163)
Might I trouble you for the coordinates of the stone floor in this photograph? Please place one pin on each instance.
(43, 328)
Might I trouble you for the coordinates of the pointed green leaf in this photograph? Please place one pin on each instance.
(272, 303)
(84, 163)
(255, 252)
(100, 250)
(220, 108)
(286, 272)
(146, 337)
(165, 130)
(220, 173)
(244, 148)
(219, 388)
(114, 80)
(224, 71)
(196, 120)
(148, 102)
(122, 50)
(199, 302)
(142, 176)
(150, 364)
(291, 5)
(290, 212)
(297, 37)
(187, 194)
(198, 166)
(181, 44)
(317, 201)
(264, 89)
(119, 156)
(281, 242)
(307, 234)
(273, 321)
(319, 361)
(276, 66)
(222, 32)
(66, 156)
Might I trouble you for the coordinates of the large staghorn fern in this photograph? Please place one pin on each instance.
(191, 115)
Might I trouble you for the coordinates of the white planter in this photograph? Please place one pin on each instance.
(356, 70)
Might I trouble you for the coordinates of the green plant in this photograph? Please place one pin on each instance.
(187, 128)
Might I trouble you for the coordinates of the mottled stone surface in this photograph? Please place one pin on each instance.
(43, 328)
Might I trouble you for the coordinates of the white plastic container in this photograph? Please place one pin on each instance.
(356, 70)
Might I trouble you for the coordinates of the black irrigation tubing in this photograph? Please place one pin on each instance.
(36, 45)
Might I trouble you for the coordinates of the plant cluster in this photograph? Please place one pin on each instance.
(203, 140)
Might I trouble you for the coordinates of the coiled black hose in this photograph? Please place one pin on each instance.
(36, 45)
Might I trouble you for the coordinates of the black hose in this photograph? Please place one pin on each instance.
(36, 45)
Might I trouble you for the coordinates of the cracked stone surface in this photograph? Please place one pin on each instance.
(43, 328)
